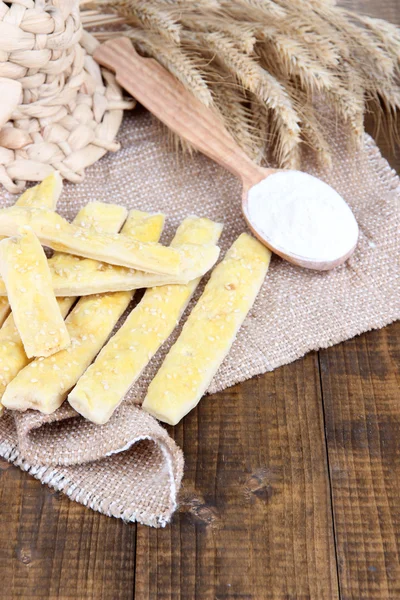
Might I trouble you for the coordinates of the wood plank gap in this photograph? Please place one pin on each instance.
(329, 481)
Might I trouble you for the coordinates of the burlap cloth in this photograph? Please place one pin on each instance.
(131, 468)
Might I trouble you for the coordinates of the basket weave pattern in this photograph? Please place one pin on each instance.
(58, 109)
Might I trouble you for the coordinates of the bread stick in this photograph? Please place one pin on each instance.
(43, 195)
(12, 354)
(89, 277)
(57, 233)
(119, 364)
(26, 274)
(209, 332)
(44, 384)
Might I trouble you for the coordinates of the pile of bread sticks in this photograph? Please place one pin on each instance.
(55, 343)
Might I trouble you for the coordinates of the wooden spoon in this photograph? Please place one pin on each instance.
(167, 99)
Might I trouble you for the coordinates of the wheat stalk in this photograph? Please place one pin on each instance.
(185, 68)
(266, 65)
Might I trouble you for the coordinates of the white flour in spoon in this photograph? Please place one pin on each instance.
(301, 215)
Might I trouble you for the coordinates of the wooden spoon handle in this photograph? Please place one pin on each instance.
(165, 97)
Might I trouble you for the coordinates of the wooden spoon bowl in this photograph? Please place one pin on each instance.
(165, 97)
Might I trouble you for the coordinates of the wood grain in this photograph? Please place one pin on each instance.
(255, 520)
(360, 383)
(51, 547)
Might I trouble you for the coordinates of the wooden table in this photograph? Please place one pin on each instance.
(291, 491)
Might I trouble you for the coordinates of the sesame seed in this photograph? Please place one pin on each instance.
(34, 380)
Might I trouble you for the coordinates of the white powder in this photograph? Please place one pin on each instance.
(302, 216)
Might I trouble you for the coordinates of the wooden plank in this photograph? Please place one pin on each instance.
(360, 382)
(52, 548)
(255, 520)
(386, 9)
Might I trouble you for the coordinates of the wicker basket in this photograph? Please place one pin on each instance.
(58, 109)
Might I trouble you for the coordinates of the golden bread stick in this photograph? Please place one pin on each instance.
(88, 278)
(12, 354)
(57, 233)
(26, 274)
(209, 332)
(43, 195)
(119, 364)
(44, 384)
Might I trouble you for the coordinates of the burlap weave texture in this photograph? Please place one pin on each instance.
(131, 468)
